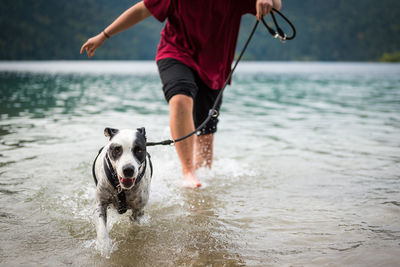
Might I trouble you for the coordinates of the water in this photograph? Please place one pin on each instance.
(306, 171)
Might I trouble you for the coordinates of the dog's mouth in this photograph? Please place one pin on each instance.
(127, 182)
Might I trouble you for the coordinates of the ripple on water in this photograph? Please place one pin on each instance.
(305, 170)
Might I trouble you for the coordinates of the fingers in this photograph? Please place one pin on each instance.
(84, 47)
(263, 7)
(268, 9)
(92, 44)
(259, 11)
(90, 51)
(89, 47)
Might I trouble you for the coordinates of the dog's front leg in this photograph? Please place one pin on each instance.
(103, 241)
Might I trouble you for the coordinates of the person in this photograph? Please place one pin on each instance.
(194, 58)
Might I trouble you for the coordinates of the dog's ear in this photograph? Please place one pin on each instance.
(110, 132)
(142, 131)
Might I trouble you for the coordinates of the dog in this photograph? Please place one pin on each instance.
(122, 172)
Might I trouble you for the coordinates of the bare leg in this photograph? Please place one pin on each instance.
(181, 123)
(204, 150)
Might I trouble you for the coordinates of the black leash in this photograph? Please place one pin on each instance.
(278, 34)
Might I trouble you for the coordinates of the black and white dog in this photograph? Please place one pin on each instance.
(122, 172)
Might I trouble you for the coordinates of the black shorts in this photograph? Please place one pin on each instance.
(177, 78)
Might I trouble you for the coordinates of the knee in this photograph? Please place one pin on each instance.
(181, 103)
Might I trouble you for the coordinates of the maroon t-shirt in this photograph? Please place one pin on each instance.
(201, 34)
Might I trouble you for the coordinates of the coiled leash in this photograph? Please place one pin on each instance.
(277, 34)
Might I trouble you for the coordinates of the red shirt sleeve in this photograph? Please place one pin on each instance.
(160, 9)
(247, 6)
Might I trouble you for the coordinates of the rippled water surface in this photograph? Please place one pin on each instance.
(306, 171)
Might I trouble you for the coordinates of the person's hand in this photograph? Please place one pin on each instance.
(93, 43)
(263, 7)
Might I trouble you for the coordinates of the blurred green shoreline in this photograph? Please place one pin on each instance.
(391, 57)
(330, 30)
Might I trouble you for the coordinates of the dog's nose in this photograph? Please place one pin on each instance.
(128, 170)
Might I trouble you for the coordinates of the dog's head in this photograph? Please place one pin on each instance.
(127, 153)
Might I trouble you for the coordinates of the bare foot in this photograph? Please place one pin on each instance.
(190, 180)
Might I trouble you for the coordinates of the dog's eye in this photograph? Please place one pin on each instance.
(138, 150)
(117, 150)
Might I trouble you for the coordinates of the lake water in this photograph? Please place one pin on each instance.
(306, 171)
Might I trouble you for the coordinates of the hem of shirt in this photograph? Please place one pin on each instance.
(193, 65)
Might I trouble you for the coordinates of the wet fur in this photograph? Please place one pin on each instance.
(106, 195)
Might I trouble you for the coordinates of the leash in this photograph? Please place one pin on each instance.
(277, 34)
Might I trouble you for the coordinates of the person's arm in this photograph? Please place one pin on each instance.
(264, 7)
(130, 17)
